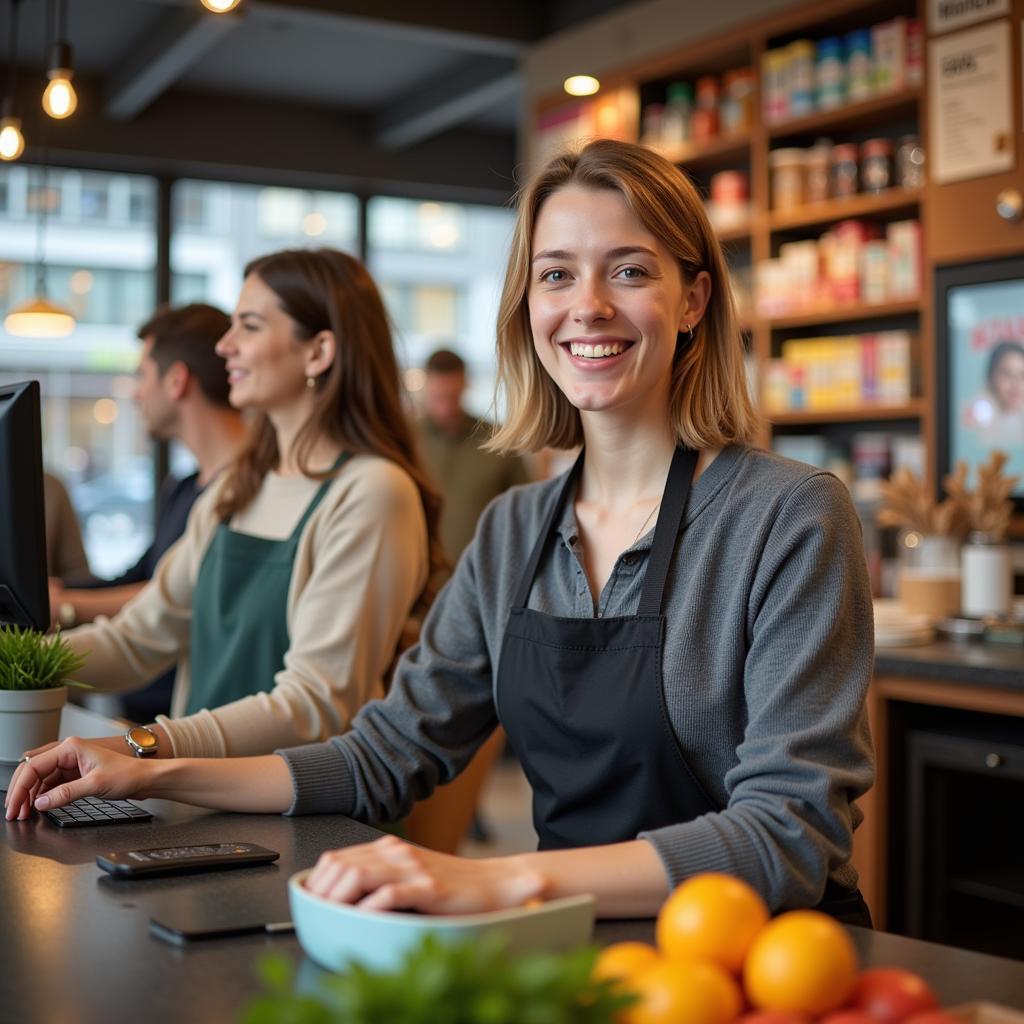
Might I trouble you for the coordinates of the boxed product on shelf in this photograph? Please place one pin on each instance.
(905, 260)
(889, 53)
(853, 262)
(840, 372)
(729, 200)
(805, 76)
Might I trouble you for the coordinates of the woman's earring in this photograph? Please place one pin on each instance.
(689, 333)
(311, 383)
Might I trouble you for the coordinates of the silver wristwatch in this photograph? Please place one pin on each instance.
(144, 742)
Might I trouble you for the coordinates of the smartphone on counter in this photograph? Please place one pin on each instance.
(173, 860)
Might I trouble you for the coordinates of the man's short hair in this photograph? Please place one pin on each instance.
(188, 334)
(445, 361)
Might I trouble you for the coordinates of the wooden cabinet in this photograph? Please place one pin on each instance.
(900, 703)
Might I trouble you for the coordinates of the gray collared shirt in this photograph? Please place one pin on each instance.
(767, 657)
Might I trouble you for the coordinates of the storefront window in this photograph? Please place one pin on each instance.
(99, 247)
(218, 227)
(440, 268)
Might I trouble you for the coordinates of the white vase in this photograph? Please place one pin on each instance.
(987, 577)
(28, 719)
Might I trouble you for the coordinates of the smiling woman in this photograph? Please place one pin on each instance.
(685, 699)
(285, 600)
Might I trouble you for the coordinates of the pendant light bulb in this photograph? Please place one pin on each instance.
(60, 98)
(12, 142)
(220, 6)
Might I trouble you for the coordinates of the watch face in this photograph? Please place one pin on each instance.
(142, 738)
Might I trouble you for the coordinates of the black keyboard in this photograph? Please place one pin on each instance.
(91, 810)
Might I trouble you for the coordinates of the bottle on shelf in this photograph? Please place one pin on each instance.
(859, 73)
(876, 165)
(705, 114)
(737, 106)
(830, 73)
(677, 116)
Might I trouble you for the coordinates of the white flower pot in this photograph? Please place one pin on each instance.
(28, 719)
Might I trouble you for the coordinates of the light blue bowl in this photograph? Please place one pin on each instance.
(333, 934)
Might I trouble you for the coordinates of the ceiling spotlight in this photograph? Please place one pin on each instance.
(581, 85)
(220, 6)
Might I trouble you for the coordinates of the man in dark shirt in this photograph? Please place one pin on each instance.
(181, 392)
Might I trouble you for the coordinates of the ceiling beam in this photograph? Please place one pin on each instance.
(160, 59)
(449, 100)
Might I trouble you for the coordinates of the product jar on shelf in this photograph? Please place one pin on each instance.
(817, 185)
(876, 165)
(789, 169)
(910, 162)
(845, 173)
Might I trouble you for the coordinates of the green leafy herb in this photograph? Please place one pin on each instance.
(35, 661)
(470, 982)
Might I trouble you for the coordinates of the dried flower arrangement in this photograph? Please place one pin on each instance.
(908, 504)
(988, 508)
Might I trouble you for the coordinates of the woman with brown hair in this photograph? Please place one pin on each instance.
(675, 634)
(285, 599)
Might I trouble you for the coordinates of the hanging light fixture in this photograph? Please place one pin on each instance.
(39, 317)
(60, 98)
(220, 6)
(12, 142)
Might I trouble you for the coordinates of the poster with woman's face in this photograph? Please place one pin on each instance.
(986, 374)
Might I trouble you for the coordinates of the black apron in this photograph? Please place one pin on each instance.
(583, 704)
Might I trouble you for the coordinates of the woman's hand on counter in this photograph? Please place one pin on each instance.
(66, 771)
(390, 874)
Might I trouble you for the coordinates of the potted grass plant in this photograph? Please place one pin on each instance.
(35, 671)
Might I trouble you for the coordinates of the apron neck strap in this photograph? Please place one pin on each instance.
(666, 533)
(526, 580)
(319, 496)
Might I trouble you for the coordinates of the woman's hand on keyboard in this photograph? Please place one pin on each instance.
(72, 769)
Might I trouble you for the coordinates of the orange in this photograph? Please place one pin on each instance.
(711, 917)
(623, 960)
(683, 992)
(802, 962)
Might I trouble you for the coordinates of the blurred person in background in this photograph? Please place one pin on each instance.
(181, 392)
(65, 552)
(468, 476)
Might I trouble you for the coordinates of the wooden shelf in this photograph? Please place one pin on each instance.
(712, 153)
(866, 114)
(892, 202)
(842, 314)
(911, 411)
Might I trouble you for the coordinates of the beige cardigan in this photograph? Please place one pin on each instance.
(361, 562)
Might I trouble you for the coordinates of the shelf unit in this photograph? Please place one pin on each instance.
(748, 244)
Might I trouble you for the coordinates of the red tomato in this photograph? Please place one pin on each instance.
(847, 1017)
(890, 994)
(775, 1017)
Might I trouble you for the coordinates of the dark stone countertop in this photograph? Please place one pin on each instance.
(984, 664)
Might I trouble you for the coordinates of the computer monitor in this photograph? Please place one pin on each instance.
(24, 594)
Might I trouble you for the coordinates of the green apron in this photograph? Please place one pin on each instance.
(239, 629)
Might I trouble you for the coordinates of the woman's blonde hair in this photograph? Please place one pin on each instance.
(709, 400)
(357, 400)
